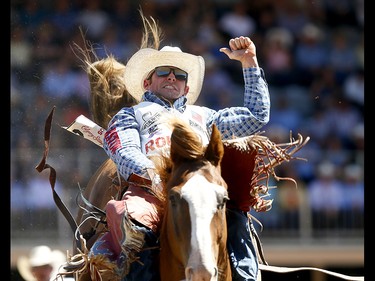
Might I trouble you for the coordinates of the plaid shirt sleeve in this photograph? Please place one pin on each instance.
(246, 120)
(122, 144)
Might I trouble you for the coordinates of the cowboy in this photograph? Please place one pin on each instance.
(169, 80)
(42, 264)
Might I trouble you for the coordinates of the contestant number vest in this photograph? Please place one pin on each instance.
(155, 136)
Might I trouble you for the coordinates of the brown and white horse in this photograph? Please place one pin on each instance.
(194, 233)
(193, 230)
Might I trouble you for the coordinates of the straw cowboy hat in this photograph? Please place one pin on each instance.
(146, 59)
(39, 256)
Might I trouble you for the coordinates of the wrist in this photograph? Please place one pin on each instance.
(252, 62)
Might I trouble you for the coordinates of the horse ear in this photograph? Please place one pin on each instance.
(215, 149)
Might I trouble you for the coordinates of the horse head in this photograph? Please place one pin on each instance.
(194, 232)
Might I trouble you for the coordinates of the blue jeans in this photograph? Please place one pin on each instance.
(147, 269)
(241, 250)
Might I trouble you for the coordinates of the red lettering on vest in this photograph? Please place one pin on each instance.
(158, 143)
(113, 141)
(149, 146)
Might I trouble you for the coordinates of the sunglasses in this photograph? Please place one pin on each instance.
(164, 71)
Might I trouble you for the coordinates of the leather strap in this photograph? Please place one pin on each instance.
(52, 179)
(281, 269)
(140, 181)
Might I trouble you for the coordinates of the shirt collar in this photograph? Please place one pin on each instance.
(179, 104)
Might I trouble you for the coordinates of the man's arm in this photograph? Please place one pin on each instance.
(122, 145)
(246, 120)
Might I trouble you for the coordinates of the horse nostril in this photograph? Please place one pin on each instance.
(188, 273)
(216, 271)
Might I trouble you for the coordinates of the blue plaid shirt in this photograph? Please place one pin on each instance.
(122, 139)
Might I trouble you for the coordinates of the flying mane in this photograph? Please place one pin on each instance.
(108, 93)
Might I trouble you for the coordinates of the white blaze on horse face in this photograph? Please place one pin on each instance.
(201, 196)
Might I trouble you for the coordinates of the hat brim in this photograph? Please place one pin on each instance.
(145, 60)
(24, 269)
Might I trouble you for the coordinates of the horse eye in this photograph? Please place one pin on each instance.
(173, 200)
(222, 201)
(221, 205)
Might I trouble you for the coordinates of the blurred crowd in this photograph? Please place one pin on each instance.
(312, 53)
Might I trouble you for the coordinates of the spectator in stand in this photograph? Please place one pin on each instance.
(310, 53)
(47, 46)
(354, 196)
(360, 49)
(335, 150)
(338, 111)
(354, 88)
(266, 18)
(111, 44)
(357, 138)
(21, 50)
(42, 264)
(291, 197)
(42, 210)
(326, 197)
(341, 13)
(59, 81)
(278, 56)
(291, 16)
(342, 57)
(30, 15)
(317, 126)
(18, 200)
(64, 17)
(283, 114)
(218, 86)
(236, 21)
(93, 19)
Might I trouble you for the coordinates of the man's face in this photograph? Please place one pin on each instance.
(42, 273)
(167, 82)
